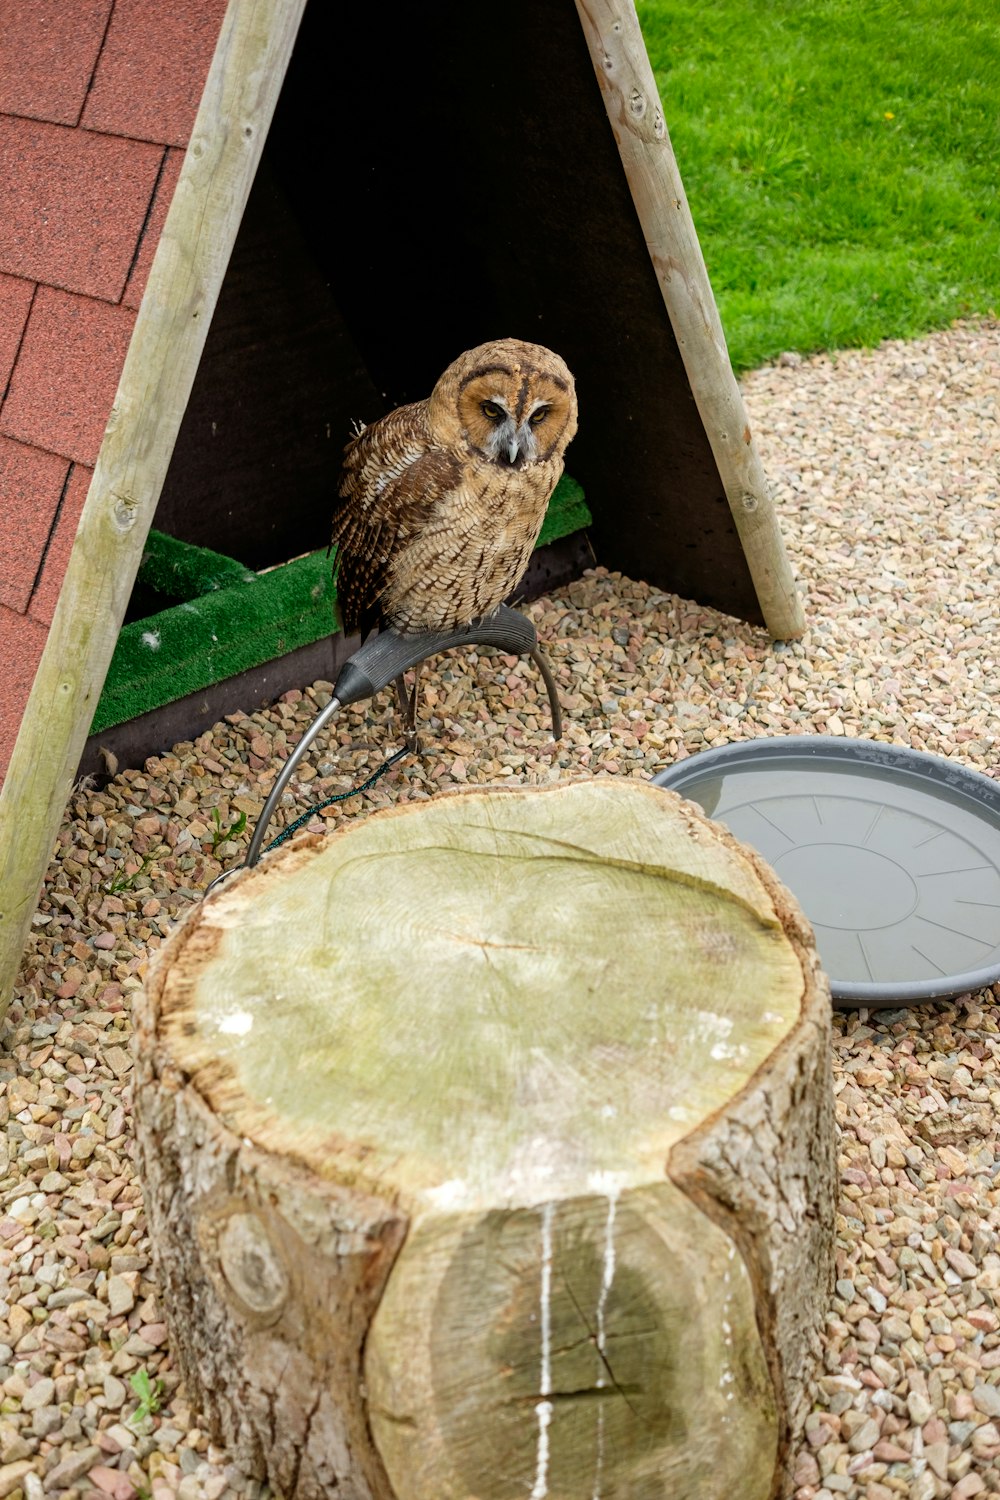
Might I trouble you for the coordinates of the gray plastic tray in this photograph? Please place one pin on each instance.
(893, 854)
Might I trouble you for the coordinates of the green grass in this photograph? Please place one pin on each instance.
(841, 160)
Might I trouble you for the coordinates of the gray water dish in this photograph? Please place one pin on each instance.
(893, 855)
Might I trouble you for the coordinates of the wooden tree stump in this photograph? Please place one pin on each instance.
(488, 1152)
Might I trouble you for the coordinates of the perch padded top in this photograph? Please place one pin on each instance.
(511, 992)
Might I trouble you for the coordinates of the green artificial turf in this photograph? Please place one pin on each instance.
(182, 571)
(841, 160)
(232, 619)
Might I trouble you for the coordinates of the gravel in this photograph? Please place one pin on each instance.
(884, 465)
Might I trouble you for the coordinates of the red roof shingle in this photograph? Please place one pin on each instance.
(23, 639)
(43, 601)
(74, 204)
(48, 51)
(152, 68)
(15, 300)
(154, 228)
(96, 99)
(31, 483)
(67, 373)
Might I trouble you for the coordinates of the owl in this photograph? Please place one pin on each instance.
(441, 501)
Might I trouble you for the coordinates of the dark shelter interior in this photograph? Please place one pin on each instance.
(426, 186)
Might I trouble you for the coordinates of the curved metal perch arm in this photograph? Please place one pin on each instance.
(383, 658)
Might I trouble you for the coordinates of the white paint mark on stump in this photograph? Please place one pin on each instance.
(543, 1410)
(607, 1279)
(448, 1194)
(238, 1023)
(728, 1052)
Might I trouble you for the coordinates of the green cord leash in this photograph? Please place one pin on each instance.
(286, 833)
(382, 659)
(354, 791)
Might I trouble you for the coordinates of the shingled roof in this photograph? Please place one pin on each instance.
(97, 101)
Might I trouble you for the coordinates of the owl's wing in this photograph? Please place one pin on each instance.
(391, 482)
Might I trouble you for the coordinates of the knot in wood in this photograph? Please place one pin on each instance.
(124, 512)
(637, 103)
(251, 1267)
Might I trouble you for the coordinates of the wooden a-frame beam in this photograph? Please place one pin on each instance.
(628, 87)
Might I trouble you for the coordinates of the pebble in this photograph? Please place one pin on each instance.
(72, 1468)
(115, 1394)
(986, 1398)
(961, 1262)
(971, 1485)
(12, 1476)
(865, 1437)
(37, 1395)
(883, 465)
(121, 1296)
(919, 1407)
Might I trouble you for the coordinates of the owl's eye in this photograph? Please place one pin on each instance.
(491, 410)
(538, 416)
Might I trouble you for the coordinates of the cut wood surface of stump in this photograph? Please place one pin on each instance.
(488, 1151)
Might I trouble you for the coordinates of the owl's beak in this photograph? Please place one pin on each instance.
(513, 450)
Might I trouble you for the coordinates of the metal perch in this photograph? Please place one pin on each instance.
(384, 658)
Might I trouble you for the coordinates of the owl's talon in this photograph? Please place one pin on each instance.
(407, 703)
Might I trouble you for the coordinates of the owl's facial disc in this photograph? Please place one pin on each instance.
(508, 443)
(512, 414)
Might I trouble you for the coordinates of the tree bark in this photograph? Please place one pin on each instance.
(488, 1151)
